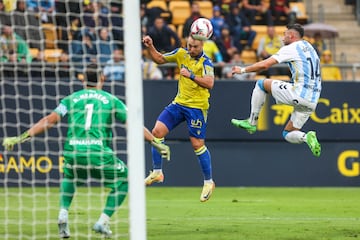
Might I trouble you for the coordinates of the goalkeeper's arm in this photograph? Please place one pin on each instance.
(41, 126)
(163, 149)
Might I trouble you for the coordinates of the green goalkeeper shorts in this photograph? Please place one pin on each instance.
(80, 169)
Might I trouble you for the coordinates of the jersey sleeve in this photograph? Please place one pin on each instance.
(62, 108)
(172, 56)
(208, 68)
(285, 54)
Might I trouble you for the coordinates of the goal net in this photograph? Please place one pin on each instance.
(42, 57)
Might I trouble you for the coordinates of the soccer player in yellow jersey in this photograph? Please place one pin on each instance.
(190, 105)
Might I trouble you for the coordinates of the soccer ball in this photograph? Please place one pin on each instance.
(201, 29)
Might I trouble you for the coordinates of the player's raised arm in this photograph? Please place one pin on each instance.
(156, 56)
(41, 126)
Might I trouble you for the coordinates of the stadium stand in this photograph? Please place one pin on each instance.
(300, 9)
(180, 11)
(206, 8)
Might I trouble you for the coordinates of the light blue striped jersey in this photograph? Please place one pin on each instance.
(304, 65)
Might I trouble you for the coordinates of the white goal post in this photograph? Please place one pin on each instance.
(134, 98)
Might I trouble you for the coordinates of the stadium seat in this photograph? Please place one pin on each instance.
(261, 31)
(280, 77)
(300, 9)
(180, 11)
(34, 52)
(50, 34)
(206, 8)
(280, 30)
(248, 56)
(52, 55)
(157, 3)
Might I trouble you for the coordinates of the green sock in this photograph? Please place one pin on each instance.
(115, 199)
(67, 190)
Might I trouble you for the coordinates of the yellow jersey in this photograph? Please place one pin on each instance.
(190, 94)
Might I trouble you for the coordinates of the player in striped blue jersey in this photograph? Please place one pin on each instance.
(302, 92)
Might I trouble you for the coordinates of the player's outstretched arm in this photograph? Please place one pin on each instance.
(162, 148)
(156, 56)
(42, 125)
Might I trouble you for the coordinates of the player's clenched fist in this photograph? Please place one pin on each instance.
(147, 41)
(184, 72)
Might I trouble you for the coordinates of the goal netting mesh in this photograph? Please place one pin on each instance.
(44, 48)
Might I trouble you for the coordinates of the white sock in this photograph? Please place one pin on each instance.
(157, 170)
(103, 218)
(257, 101)
(63, 214)
(296, 137)
(63, 211)
(208, 181)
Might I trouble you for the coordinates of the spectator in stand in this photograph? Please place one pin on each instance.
(14, 48)
(27, 25)
(67, 12)
(144, 20)
(105, 46)
(329, 73)
(10, 5)
(116, 22)
(212, 51)
(114, 69)
(163, 36)
(240, 28)
(280, 10)
(64, 65)
(226, 44)
(217, 21)
(195, 14)
(236, 61)
(150, 69)
(319, 44)
(93, 18)
(252, 8)
(268, 46)
(5, 17)
(83, 50)
(45, 9)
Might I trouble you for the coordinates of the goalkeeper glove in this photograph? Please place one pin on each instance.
(9, 142)
(163, 149)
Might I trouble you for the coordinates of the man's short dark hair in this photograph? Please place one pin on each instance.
(297, 27)
(92, 75)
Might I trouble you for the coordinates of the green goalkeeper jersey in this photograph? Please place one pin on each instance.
(91, 113)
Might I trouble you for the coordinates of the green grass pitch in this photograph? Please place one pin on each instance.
(176, 214)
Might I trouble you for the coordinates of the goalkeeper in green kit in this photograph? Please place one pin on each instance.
(87, 149)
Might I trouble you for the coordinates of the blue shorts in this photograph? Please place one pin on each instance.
(195, 118)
